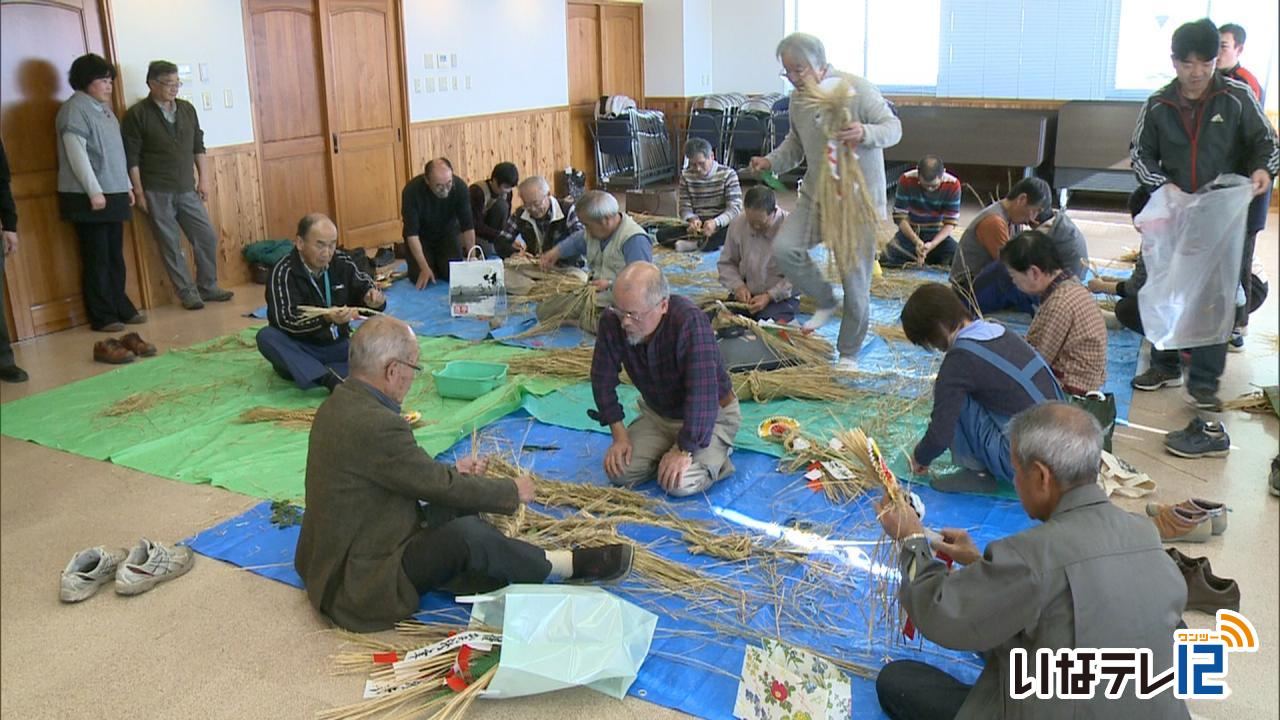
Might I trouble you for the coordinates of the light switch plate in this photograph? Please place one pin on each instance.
(444, 83)
(204, 72)
(227, 98)
(468, 82)
(453, 60)
(442, 60)
(417, 85)
(431, 84)
(454, 82)
(206, 99)
(429, 61)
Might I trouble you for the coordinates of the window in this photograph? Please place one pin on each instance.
(893, 44)
(1142, 52)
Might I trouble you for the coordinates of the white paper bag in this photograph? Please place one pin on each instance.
(477, 287)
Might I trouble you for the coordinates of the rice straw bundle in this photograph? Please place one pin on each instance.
(311, 312)
(568, 363)
(896, 285)
(868, 453)
(892, 333)
(1271, 343)
(838, 489)
(788, 343)
(657, 220)
(801, 382)
(668, 259)
(703, 279)
(580, 310)
(297, 419)
(545, 283)
(1108, 304)
(1253, 402)
(847, 217)
(1130, 255)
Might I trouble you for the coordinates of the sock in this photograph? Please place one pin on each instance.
(561, 564)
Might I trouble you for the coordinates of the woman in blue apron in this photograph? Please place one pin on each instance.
(988, 375)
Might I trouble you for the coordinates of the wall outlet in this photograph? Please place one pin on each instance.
(206, 99)
(431, 84)
(468, 82)
(442, 60)
(417, 85)
(454, 82)
(444, 83)
(227, 99)
(429, 61)
(204, 72)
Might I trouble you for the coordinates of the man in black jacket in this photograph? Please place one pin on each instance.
(1190, 131)
(306, 349)
(9, 372)
(541, 222)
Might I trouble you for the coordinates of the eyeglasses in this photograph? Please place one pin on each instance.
(791, 74)
(632, 316)
(416, 368)
(169, 85)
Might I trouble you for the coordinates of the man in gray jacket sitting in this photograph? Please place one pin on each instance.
(1091, 576)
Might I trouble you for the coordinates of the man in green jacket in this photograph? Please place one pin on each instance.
(369, 546)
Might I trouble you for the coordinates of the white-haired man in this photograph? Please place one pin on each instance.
(540, 224)
(1091, 576)
(369, 547)
(873, 128)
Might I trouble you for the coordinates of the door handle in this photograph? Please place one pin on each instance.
(335, 143)
(397, 134)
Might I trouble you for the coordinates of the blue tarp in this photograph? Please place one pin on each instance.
(691, 668)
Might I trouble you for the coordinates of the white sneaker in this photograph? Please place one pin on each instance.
(150, 564)
(846, 365)
(820, 318)
(686, 245)
(88, 570)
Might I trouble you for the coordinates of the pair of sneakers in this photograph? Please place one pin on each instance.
(135, 571)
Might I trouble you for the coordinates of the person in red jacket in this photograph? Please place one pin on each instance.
(1230, 46)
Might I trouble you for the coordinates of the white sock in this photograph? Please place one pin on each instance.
(820, 318)
(561, 564)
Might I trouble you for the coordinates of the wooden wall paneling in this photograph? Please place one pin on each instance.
(537, 141)
(235, 211)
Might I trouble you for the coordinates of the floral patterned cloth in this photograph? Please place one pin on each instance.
(780, 682)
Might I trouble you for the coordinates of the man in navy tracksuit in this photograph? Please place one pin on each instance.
(309, 350)
(1190, 131)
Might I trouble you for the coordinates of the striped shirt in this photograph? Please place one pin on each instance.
(926, 210)
(1070, 334)
(679, 371)
(715, 195)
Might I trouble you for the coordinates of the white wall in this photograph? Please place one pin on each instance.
(697, 47)
(744, 34)
(513, 51)
(190, 33)
(664, 48)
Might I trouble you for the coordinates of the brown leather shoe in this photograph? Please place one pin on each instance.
(112, 352)
(136, 345)
(1209, 593)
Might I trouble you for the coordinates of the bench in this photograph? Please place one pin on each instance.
(1093, 147)
(974, 136)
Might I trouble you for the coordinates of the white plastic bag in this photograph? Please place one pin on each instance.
(1192, 244)
(559, 636)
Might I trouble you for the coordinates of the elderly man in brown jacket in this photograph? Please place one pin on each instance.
(369, 546)
(1091, 576)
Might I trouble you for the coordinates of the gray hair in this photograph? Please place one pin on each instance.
(697, 146)
(536, 181)
(656, 287)
(1066, 439)
(380, 340)
(803, 46)
(597, 205)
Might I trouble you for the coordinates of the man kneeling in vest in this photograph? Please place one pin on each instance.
(610, 240)
(688, 411)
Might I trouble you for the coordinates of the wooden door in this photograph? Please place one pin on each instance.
(584, 83)
(290, 107)
(622, 51)
(364, 73)
(39, 41)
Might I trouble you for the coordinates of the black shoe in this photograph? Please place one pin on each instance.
(13, 374)
(604, 564)
(1155, 378)
(384, 256)
(1203, 399)
(1275, 476)
(330, 380)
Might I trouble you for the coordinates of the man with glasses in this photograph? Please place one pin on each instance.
(386, 523)
(873, 128)
(162, 143)
(610, 241)
(541, 222)
(689, 414)
(977, 274)
(307, 349)
(438, 225)
(710, 198)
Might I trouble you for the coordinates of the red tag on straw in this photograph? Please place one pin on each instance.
(457, 679)
(909, 630)
(384, 658)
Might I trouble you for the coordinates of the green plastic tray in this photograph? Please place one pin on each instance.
(469, 379)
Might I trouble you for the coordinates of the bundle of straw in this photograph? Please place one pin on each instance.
(580, 310)
(891, 333)
(896, 285)
(791, 344)
(545, 283)
(801, 382)
(568, 363)
(297, 419)
(1253, 402)
(1130, 255)
(848, 219)
(656, 220)
(310, 312)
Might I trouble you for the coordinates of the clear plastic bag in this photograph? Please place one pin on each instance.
(1192, 244)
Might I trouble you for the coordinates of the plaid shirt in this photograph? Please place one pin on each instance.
(678, 371)
(1070, 334)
